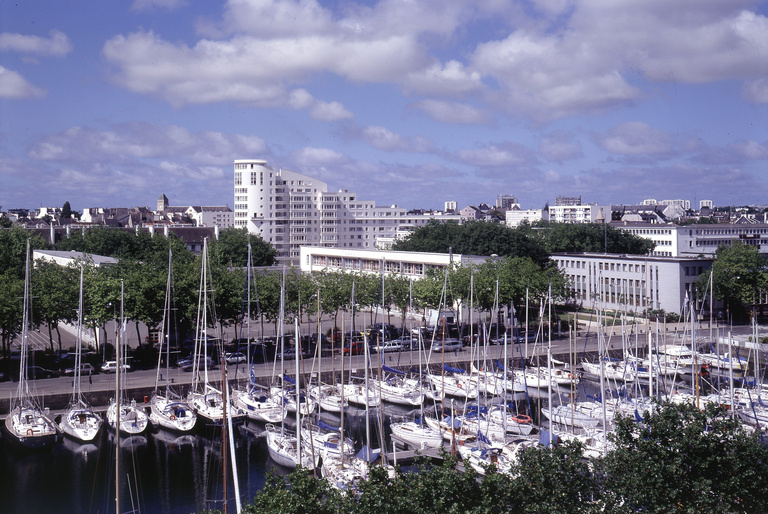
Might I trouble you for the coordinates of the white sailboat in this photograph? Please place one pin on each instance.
(27, 424)
(124, 417)
(286, 448)
(258, 404)
(166, 408)
(206, 400)
(79, 422)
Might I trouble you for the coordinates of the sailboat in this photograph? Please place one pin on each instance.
(27, 424)
(123, 417)
(206, 400)
(167, 409)
(258, 404)
(286, 448)
(80, 422)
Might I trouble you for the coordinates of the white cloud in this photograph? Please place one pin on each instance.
(453, 112)
(559, 147)
(151, 5)
(506, 154)
(756, 91)
(318, 157)
(384, 139)
(134, 143)
(751, 150)
(57, 45)
(635, 138)
(449, 79)
(13, 85)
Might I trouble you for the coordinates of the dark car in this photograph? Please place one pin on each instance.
(36, 372)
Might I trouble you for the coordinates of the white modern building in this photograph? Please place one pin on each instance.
(694, 240)
(664, 236)
(632, 283)
(514, 217)
(581, 213)
(290, 210)
(409, 264)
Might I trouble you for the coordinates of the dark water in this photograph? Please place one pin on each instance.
(161, 472)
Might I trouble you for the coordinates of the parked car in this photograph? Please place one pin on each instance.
(356, 348)
(35, 372)
(407, 342)
(449, 345)
(111, 367)
(235, 357)
(388, 346)
(86, 368)
(188, 363)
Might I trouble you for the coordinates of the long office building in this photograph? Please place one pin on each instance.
(634, 283)
(290, 210)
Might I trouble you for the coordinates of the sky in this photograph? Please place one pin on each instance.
(406, 102)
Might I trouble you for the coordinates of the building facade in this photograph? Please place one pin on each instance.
(632, 282)
(580, 213)
(290, 210)
(409, 264)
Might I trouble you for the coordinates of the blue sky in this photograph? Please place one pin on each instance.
(403, 101)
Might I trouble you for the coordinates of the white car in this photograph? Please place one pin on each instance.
(389, 346)
(235, 358)
(111, 367)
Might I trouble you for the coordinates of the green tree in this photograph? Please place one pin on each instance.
(5, 222)
(56, 291)
(589, 237)
(299, 493)
(739, 273)
(231, 249)
(473, 238)
(11, 293)
(13, 249)
(683, 459)
(66, 211)
(554, 480)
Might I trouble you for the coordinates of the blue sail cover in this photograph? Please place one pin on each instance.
(326, 426)
(288, 379)
(544, 438)
(499, 364)
(482, 438)
(393, 370)
(367, 454)
(448, 368)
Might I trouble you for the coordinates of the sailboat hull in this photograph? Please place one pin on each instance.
(30, 429)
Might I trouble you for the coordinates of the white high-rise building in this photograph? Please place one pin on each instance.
(290, 210)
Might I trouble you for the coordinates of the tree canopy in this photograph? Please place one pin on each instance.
(739, 273)
(533, 241)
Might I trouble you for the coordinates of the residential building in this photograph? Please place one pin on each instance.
(211, 216)
(505, 202)
(290, 210)
(562, 201)
(579, 213)
(515, 217)
(633, 283)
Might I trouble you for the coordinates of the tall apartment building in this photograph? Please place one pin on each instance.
(290, 210)
(567, 200)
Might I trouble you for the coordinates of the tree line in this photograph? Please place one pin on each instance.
(142, 268)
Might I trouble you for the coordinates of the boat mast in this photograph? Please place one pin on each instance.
(118, 402)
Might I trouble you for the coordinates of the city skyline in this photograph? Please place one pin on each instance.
(409, 103)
